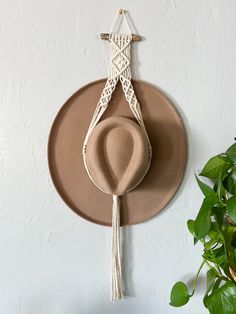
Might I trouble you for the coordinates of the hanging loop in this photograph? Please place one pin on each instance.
(121, 15)
(118, 19)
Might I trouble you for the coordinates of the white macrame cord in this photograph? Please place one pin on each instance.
(117, 290)
(119, 70)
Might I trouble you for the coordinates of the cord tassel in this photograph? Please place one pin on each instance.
(117, 281)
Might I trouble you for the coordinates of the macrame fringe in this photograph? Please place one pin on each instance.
(117, 281)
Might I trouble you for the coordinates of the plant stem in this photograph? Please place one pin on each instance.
(216, 265)
(210, 266)
(224, 278)
(219, 270)
(196, 277)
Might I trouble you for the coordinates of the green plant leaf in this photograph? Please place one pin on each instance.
(220, 188)
(231, 152)
(206, 190)
(231, 208)
(215, 236)
(190, 224)
(179, 295)
(230, 182)
(219, 214)
(233, 240)
(228, 233)
(212, 274)
(219, 255)
(222, 300)
(215, 227)
(217, 284)
(215, 287)
(216, 256)
(202, 223)
(213, 167)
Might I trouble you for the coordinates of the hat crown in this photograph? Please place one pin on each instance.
(117, 155)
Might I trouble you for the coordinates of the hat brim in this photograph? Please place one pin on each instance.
(169, 154)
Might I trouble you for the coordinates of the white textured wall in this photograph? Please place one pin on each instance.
(52, 261)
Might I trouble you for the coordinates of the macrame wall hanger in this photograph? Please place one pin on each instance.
(119, 70)
(112, 153)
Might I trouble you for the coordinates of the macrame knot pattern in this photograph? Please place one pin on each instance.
(119, 70)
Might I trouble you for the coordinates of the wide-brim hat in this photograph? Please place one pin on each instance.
(157, 183)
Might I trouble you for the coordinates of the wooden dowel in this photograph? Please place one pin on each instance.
(135, 37)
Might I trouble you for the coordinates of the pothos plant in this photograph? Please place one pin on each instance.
(215, 228)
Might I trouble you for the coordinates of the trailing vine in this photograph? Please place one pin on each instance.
(215, 228)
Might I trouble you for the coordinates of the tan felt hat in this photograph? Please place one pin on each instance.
(117, 154)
